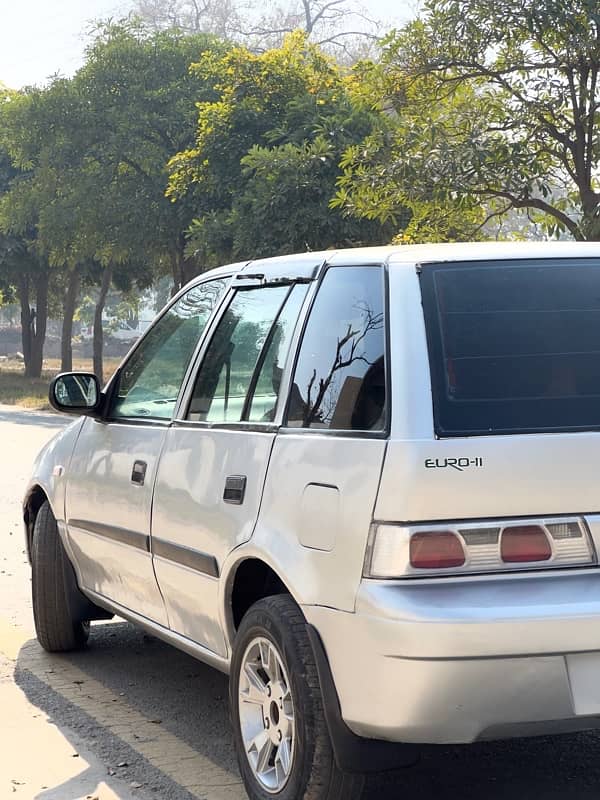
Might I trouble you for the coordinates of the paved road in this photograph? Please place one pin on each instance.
(133, 718)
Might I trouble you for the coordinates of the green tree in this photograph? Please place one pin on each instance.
(141, 96)
(381, 178)
(42, 140)
(24, 266)
(95, 149)
(45, 205)
(265, 162)
(496, 104)
(134, 110)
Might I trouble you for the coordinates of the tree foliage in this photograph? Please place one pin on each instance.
(495, 104)
(265, 162)
(381, 178)
(140, 97)
(24, 266)
(90, 155)
(248, 145)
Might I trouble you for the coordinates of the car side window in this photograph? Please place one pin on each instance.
(227, 370)
(150, 380)
(339, 380)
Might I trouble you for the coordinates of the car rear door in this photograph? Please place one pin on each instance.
(216, 453)
(325, 467)
(112, 471)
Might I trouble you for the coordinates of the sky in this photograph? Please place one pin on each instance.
(39, 38)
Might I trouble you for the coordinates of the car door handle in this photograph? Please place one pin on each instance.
(138, 473)
(235, 489)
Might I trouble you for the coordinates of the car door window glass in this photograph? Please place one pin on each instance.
(339, 380)
(232, 355)
(266, 391)
(150, 380)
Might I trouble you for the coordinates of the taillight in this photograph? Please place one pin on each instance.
(403, 551)
(438, 550)
(521, 543)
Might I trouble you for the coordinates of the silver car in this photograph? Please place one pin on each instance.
(363, 483)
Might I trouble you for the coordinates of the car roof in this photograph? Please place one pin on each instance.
(306, 264)
(491, 251)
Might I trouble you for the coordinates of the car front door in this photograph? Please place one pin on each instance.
(112, 472)
(215, 457)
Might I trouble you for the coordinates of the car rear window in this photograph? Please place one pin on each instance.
(514, 346)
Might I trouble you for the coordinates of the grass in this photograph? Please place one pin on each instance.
(17, 390)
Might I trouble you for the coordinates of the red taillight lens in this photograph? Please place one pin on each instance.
(524, 543)
(436, 550)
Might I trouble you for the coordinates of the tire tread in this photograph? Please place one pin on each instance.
(55, 627)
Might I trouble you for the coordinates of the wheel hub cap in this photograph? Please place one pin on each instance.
(266, 711)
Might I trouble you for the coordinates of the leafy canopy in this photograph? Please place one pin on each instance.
(494, 103)
(265, 161)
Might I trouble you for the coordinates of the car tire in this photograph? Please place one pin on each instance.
(272, 648)
(57, 627)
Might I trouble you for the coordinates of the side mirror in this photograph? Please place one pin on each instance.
(75, 392)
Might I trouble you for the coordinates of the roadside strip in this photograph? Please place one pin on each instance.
(198, 775)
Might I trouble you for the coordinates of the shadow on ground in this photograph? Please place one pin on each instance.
(190, 700)
(76, 726)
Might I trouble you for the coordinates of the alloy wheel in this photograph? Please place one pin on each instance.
(266, 711)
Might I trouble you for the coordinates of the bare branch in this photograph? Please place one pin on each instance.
(492, 215)
(336, 37)
(326, 22)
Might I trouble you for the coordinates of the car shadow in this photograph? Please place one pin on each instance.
(119, 763)
(189, 700)
(174, 692)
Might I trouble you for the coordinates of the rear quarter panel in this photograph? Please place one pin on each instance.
(315, 515)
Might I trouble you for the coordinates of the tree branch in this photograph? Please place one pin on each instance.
(322, 13)
(534, 202)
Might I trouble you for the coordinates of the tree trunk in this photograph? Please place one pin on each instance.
(33, 321)
(98, 344)
(309, 22)
(189, 270)
(182, 269)
(39, 327)
(26, 320)
(69, 305)
(590, 222)
(177, 273)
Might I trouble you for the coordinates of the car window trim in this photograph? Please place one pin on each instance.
(248, 427)
(148, 422)
(339, 433)
(387, 356)
(296, 338)
(384, 433)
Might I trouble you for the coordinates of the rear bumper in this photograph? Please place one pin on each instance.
(455, 661)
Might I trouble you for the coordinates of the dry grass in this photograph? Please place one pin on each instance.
(17, 390)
